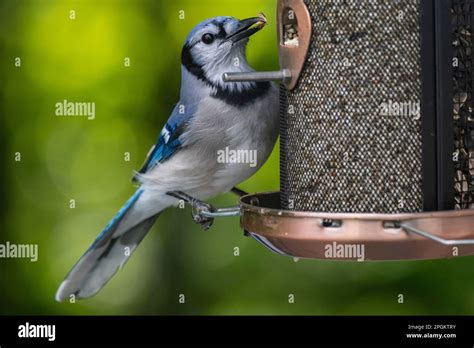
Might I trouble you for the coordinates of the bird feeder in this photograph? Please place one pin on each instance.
(377, 130)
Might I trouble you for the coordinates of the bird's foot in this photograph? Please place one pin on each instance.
(199, 209)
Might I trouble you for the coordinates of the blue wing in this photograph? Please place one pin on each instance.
(171, 137)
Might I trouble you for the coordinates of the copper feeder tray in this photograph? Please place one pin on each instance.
(427, 235)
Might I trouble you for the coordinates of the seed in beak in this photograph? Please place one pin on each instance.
(261, 23)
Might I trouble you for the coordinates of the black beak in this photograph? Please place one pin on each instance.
(246, 28)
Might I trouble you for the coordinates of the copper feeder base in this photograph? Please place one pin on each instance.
(428, 235)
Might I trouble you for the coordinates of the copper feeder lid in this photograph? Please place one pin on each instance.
(427, 235)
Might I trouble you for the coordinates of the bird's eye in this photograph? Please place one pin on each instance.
(208, 39)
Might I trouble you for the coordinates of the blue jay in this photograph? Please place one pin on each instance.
(212, 115)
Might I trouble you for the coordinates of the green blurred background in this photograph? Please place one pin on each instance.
(82, 59)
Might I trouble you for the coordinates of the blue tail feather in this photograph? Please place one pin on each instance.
(118, 217)
(108, 252)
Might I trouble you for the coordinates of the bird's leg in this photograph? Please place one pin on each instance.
(198, 208)
(239, 192)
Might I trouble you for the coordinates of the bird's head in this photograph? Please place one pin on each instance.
(218, 45)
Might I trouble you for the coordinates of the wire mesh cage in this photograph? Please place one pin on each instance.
(349, 146)
(463, 112)
(381, 119)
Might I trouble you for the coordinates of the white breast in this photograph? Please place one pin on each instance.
(217, 129)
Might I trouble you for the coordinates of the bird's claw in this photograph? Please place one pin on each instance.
(198, 211)
(199, 208)
(203, 213)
